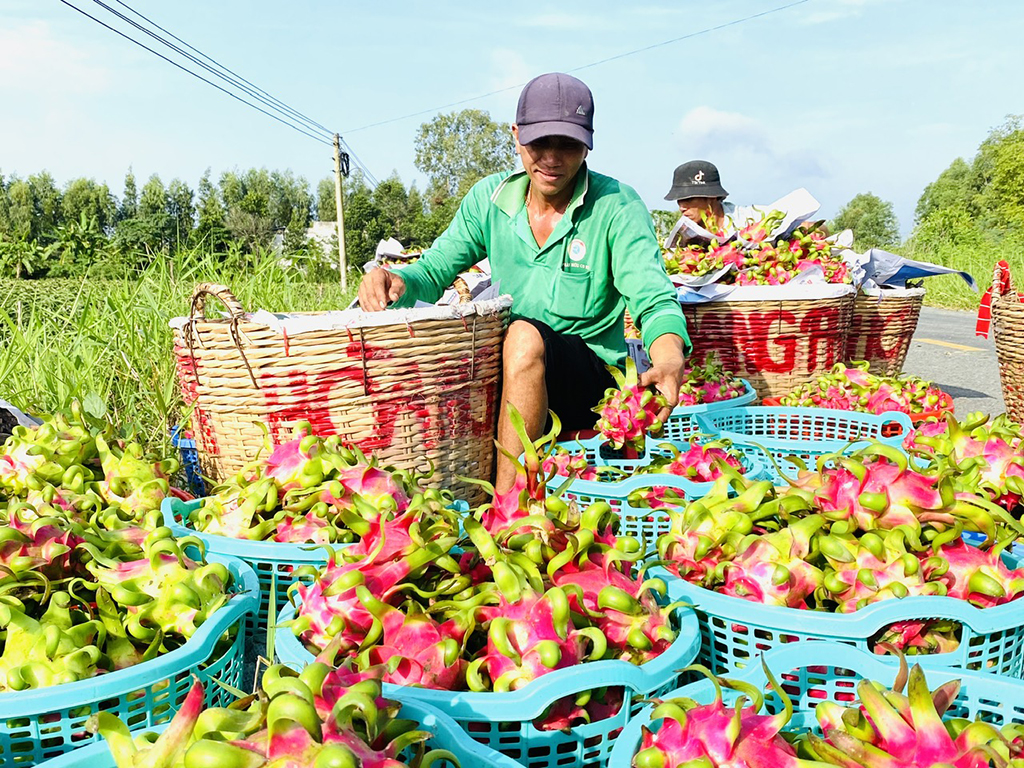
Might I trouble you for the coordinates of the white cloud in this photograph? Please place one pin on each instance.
(34, 60)
(835, 10)
(704, 129)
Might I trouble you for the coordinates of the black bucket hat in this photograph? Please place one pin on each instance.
(697, 178)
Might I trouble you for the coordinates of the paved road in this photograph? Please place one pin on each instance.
(946, 351)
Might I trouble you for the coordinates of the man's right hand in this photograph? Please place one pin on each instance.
(379, 288)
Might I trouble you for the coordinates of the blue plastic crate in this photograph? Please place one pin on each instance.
(646, 524)
(446, 734)
(42, 723)
(814, 672)
(777, 433)
(504, 721)
(273, 562)
(683, 421)
(734, 631)
(189, 461)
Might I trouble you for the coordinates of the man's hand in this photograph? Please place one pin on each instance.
(666, 371)
(379, 288)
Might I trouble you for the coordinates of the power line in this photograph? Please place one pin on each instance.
(688, 36)
(271, 102)
(236, 97)
(253, 86)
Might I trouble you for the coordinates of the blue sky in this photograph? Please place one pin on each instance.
(838, 96)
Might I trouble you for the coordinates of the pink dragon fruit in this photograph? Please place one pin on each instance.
(693, 734)
(528, 638)
(703, 462)
(708, 382)
(772, 569)
(631, 412)
(874, 568)
(972, 574)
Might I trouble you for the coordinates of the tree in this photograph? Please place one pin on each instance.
(872, 220)
(211, 229)
(181, 212)
(326, 204)
(1000, 164)
(129, 207)
(21, 210)
(85, 196)
(957, 187)
(46, 206)
(457, 149)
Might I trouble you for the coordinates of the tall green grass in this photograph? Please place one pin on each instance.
(978, 259)
(108, 342)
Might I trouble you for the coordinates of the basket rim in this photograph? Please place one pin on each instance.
(530, 701)
(824, 653)
(195, 650)
(880, 420)
(242, 548)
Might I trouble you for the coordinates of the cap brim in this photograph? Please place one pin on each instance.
(688, 191)
(534, 131)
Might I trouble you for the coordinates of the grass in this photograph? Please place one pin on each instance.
(950, 291)
(108, 343)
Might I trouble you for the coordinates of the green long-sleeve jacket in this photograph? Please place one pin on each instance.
(601, 258)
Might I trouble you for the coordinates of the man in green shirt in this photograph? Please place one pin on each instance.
(574, 249)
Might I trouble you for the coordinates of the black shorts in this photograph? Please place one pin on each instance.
(576, 378)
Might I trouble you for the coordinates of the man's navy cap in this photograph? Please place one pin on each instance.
(697, 178)
(556, 104)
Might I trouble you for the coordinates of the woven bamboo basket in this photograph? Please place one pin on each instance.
(1008, 326)
(775, 345)
(882, 328)
(415, 387)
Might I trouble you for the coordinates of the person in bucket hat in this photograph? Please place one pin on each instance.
(574, 249)
(697, 189)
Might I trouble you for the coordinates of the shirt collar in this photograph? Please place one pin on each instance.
(510, 195)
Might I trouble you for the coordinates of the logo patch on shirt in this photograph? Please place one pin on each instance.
(577, 250)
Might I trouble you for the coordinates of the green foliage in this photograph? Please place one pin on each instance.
(67, 339)
(663, 222)
(129, 207)
(84, 197)
(457, 149)
(76, 246)
(872, 220)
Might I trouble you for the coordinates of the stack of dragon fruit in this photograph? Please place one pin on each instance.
(90, 583)
(853, 388)
(321, 717)
(882, 726)
(312, 489)
(758, 254)
(861, 528)
(535, 585)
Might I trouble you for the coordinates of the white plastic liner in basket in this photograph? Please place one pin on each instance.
(296, 324)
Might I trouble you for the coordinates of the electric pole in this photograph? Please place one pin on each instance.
(339, 203)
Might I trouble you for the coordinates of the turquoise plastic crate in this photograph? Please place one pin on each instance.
(646, 524)
(446, 734)
(735, 631)
(807, 433)
(271, 560)
(683, 421)
(814, 672)
(46, 722)
(504, 721)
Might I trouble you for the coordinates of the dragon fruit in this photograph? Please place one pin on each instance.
(874, 568)
(693, 734)
(984, 458)
(317, 718)
(890, 728)
(975, 575)
(631, 412)
(772, 569)
(708, 382)
(853, 388)
(701, 462)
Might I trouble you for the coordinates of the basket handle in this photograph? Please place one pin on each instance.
(1002, 284)
(461, 288)
(220, 292)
